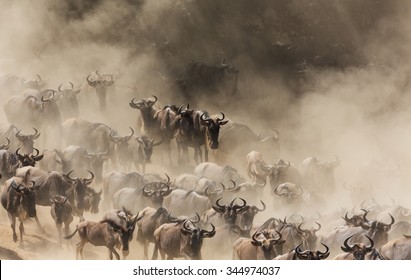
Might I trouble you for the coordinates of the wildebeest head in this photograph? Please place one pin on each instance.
(100, 82)
(127, 235)
(309, 235)
(145, 106)
(288, 191)
(68, 100)
(27, 140)
(195, 239)
(34, 82)
(270, 245)
(156, 191)
(79, 188)
(92, 200)
(311, 255)
(29, 159)
(230, 211)
(95, 162)
(147, 147)
(378, 231)
(356, 220)
(359, 250)
(212, 126)
(247, 216)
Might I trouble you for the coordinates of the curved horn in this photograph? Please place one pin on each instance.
(37, 151)
(112, 137)
(257, 242)
(198, 219)
(219, 206)
(68, 176)
(323, 255)
(133, 104)
(371, 243)
(210, 233)
(300, 190)
(223, 63)
(347, 247)
(132, 132)
(90, 82)
(260, 210)
(391, 223)
(6, 146)
(59, 88)
(279, 236)
(155, 99)
(277, 133)
(240, 207)
(17, 153)
(223, 116)
(36, 133)
(168, 178)
(92, 177)
(319, 227)
(39, 78)
(72, 86)
(299, 227)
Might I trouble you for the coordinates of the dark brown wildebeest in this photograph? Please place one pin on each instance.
(100, 82)
(182, 239)
(139, 152)
(151, 220)
(357, 251)
(61, 212)
(262, 246)
(18, 198)
(147, 125)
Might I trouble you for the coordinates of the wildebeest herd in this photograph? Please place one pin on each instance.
(195, 203)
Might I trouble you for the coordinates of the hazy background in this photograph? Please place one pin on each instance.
(332, 76)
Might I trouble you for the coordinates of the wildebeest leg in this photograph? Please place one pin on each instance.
(146, 243)
(21, 229)
(205, 154)
(155, 252)
(13, 226)
(113, 251)
(59, 226)
(79, 249)
(170, 258)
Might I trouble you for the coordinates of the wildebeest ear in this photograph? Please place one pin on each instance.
(37, 158)
(223, 122)
(51, 201)
(76, 91)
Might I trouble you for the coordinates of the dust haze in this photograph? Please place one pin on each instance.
(331, 76)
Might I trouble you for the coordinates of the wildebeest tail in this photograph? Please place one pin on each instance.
(71, 235)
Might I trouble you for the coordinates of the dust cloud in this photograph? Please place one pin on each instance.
(331, 76)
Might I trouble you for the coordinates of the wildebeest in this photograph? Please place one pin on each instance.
(182, 239)
(18, 198)
(17, 139)
(152, 219)
(318, 177)
(262, 246)
(148, 126)
(92, 200)
(116, 180)
(44, 113)
(53, 160)
(283, 172)
(67, 100)
(77, 157)
(215, 84)
(238, 139)
(205, 134)
(294, 235)
(61, 212)
(100, 82)
(106, 234)
(357, 251)
(139, 152)
(135, 198)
